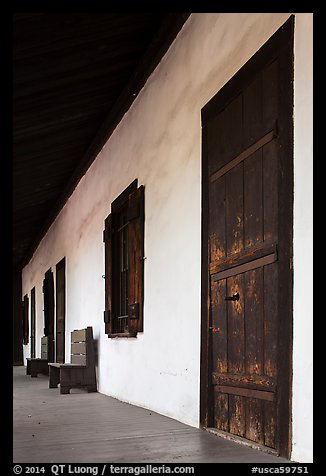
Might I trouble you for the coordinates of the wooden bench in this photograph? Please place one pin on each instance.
(80, 373)
(39, 365)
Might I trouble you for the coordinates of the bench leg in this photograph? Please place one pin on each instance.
(33, 368)
(54, 377)
(91, 388)
(64, 390)
(28, 367)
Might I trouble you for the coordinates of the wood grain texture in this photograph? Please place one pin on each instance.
(254, 321)
(217, 216)
(219, 326)
(256, 382)
(248, 200)
(253, 200)
(234, 210)
(236, 329)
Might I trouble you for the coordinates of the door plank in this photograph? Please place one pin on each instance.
(236, 336)
(237, 415)
(234, 210)
(217, 234)
(254, 321)
(254, 420)
(219, 326)
(253, 204)
(269, 424)
(270, 94)
(223, 135)
(253, 111)
(221, 411)
(270, 319)
(270, 186)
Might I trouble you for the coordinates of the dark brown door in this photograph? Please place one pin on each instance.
(48, 301)
(248, 156)
(33, 323)
(60, 310)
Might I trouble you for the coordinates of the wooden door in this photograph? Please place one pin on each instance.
(33, 323)
(48, 301)
(248, 164)
(60, 310)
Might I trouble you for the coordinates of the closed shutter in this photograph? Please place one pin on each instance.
(45, 307)
(25, 320)
(107, 238)
(48, 302)
(124, 300)
(136, 260)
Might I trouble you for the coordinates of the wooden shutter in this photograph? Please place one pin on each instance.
(136, 260)
(48, 301)
(107, 238)
(25, 320)
(33, 323)
(44, 308)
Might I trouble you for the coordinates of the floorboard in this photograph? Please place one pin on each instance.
(94, 428)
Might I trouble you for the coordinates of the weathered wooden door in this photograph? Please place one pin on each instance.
(48, 301)
(60, 311)
(248, 198)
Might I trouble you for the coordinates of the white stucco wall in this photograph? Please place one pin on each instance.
(159, 142)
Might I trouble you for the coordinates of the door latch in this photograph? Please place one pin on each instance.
(235, 297)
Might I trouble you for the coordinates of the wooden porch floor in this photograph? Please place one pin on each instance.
(94, 428)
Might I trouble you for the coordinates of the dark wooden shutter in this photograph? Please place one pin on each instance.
(48, 302)
(45, 307)
(136, 260)
(107, 238)
(60, 310)
(25, 320)
(33, 323)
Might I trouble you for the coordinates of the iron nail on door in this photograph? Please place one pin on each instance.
(235, 297)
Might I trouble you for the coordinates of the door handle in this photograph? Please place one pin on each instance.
(235, 297)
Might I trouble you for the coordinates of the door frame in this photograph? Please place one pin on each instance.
(281, 41)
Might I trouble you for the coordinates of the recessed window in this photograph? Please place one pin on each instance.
(124, 263)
